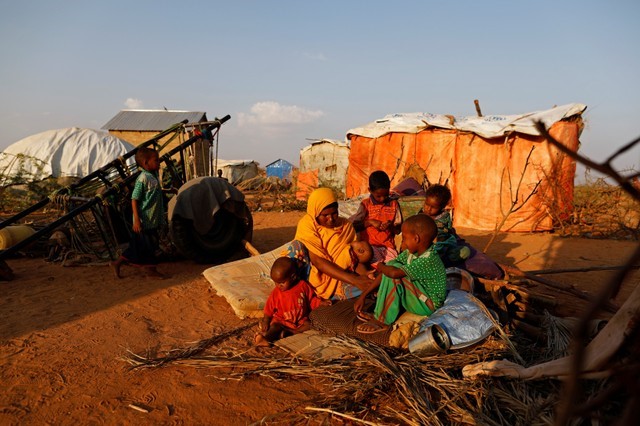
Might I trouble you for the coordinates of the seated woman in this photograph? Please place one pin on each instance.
(321, 248)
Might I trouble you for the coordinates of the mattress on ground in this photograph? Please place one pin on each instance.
(245, 283)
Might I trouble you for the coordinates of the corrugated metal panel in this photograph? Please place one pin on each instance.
(151, 120)
(280, 163)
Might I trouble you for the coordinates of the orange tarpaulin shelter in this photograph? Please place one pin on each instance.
(482, 160)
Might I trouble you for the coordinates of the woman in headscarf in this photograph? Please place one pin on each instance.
(321, 249)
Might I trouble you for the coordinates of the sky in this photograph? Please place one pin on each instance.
(290, 71)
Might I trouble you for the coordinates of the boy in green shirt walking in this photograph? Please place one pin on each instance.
(148, 214)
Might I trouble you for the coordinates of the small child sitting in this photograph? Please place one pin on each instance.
(415, 281)
(361, 256)
(379, 218)
(289, 304)
(453, 250)
(437, 198)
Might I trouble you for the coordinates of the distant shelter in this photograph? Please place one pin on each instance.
(323, 163)
(138, 126)
(282, 169)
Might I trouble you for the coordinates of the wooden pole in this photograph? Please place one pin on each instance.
(586, 269)
(609, 306)
(250, 248)
(477, 104)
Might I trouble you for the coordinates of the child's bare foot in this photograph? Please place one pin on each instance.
(365, 316)
(115, 266)
(153, 272)
(260, 341)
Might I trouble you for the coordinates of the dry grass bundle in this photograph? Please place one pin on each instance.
(369, 385)
(375, 386)
(523, 403)
(139, 361)
(558, 336)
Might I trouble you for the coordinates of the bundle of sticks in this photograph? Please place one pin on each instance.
(520, 302)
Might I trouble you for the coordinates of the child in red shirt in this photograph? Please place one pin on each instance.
(379, 218)
(289, 304)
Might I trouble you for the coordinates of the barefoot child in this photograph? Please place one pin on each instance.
(414, 281)
(287, 309)
(379, 218)
(148, 215)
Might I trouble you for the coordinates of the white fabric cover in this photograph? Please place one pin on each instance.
(64, 152)
(489, 126)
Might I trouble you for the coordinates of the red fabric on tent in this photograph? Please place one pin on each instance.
(306, 183)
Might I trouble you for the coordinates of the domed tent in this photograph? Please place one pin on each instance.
(64, 152)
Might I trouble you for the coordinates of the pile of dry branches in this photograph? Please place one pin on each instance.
(375, 386)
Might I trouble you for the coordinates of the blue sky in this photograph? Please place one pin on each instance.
(290, 70)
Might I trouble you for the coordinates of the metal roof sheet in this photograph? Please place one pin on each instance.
(151, 120)
(280, 162)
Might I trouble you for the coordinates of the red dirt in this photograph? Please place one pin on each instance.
(64, 331)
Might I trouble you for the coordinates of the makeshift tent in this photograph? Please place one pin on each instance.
(481, 159)
(281, 169)
(63, 152)
(236, 171)
(323, 163)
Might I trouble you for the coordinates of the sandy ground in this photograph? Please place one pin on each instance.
(64, 330)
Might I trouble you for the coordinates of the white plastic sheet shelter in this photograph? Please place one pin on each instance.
(64, 152)
(236, 171)
(323, 163)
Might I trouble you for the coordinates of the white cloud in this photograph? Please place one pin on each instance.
(133, 103)
(315, 56)
(272, 113)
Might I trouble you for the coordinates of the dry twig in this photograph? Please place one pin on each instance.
(514, 207)
(572, 391)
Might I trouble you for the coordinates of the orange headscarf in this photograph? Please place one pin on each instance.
(330, 243)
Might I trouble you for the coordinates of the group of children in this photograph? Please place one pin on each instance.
(414, 280)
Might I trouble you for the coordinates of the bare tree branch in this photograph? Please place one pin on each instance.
(571, 393)
(514, 207)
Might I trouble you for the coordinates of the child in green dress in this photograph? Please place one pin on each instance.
(414, 281)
